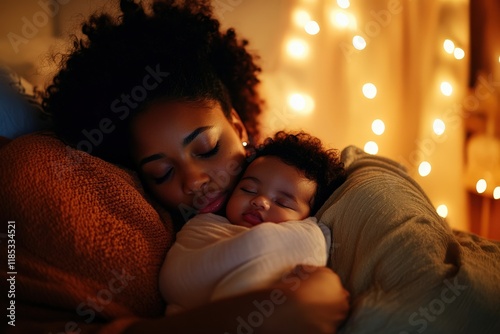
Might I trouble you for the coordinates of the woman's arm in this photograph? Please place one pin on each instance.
(307, 300)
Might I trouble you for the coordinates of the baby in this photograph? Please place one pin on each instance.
(289, 178)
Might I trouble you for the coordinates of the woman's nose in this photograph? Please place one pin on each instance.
(195, 180)
(260, 202)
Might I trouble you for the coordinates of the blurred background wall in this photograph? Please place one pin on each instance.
(415, 81)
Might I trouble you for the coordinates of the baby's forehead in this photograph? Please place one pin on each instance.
(267, 169)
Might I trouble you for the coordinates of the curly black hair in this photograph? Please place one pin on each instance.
(306, 153)
(174, 51)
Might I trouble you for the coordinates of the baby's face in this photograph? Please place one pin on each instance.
(270, 191)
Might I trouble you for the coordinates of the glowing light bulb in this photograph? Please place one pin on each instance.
(442, 210)
(311, 27)
(459, 53)
(481, 186)
(424, 168)
(359, 42)
(446, 88)
(301, 17)
(438, 126)
(369, 90)
(448, 46)
(378, 127)
(341, 19)
(371, 147)
(297, 48)
(496, 193)
(301, 103)
(343, 3)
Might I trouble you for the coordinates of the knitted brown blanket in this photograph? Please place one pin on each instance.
(88, 246)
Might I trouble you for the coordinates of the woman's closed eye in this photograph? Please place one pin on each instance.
(164, 177)
(211, 152)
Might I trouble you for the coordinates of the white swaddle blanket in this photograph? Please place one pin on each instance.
(213, 259)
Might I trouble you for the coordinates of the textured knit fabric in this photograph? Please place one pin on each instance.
(88, 245)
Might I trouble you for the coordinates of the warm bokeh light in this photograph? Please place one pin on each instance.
(438, 126)
(340, 19)
(343, 3)
(496, 193)
(358, 42)
(301, 103)
(297, 48)
(442, 210)
(424, 168)
(446, 88)
(369, 90)
(301, 17)
(449, 46)
(311, 27)
(459, 53)
(371, 147)
(378, 127)
(481, 186)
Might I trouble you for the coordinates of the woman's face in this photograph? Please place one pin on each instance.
(189, 154)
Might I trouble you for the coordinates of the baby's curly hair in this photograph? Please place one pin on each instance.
(306, 153)
(176, 45)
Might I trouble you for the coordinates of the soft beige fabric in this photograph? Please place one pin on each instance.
(406, 270)
(213, 259)
(89, 246)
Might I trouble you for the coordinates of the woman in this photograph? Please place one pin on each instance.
(170, 96)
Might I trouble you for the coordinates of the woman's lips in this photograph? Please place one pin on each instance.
(215, 205)
(252, 217)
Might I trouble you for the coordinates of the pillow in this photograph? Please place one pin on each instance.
(406, 270)
(20, 109)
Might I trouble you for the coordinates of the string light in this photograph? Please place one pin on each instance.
(442, 210)
(449, 46)
(301, 17)
(438, 126)
(340, 19)
(297, 48)
(378, 127)
(344, 4)
(369, 90)
(311, 27)
(301, 103)
(459, 53)
(446, 88)
(424, 168)
(496, 193)
(359, 42)
(481, 186)
(371, 147)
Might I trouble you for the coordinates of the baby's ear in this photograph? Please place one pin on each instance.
(238, 125)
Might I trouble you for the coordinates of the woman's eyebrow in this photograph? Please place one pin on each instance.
(150, 158)
(190, 137)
